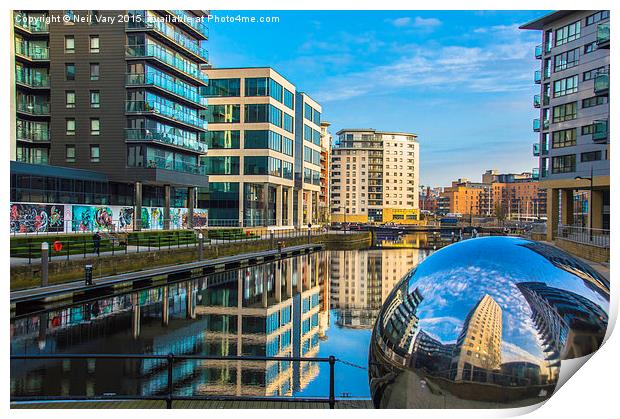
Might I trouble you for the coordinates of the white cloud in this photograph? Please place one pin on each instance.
(417, 22)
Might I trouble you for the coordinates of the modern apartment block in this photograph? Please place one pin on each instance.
(375, 176)
(264, 149)
(573, 145)
(120, 97)
(326, 156)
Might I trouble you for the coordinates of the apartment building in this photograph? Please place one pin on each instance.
(573, 126)
(117, 98)
(326, 153)
(375, 176)
(466, 197)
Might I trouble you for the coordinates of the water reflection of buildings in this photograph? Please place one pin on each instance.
(266, 310)
(479, 345)
(569, 325)
(361, 281)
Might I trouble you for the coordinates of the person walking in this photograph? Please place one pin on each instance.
(97, 242)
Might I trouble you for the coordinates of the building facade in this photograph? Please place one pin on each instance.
(326, 156)
(573, 126)
(122, 99)
(373, 171)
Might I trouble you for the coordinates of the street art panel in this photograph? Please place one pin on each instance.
(125, 218)
(178, 218)
(33, 218)
(152, 218)
(201, 217)
(90, 218)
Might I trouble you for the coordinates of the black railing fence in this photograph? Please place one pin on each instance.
(169, 395)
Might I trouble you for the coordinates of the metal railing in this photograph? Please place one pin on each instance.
(593, 237)
(169, 395)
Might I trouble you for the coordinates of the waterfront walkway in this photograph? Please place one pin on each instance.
(195, 404)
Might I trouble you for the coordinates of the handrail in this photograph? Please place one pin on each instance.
(171, 358)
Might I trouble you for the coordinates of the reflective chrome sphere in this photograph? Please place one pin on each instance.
(484, 323)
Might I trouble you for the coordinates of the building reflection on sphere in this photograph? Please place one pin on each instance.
(484, 323)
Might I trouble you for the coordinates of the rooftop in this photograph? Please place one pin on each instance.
(541, 22)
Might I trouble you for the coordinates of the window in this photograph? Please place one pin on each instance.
(565, 86)
(262, 139)
(222, 165)
(591, 156)
(256, 86)
(289, 99)
(287, 170)
(588, 75)
(287, 146)
(70, 153)
(288, 122)
(94, 126)
(275, 90)
(307, 112)
(70, 126)
(223, 114)
(69, 71)
(256, 113)
(69, 44)
(593, 101)
(94, 99)
(94, 44)
(564, 138)
(94, 17)
(563, 164)
(222, 139)
(587, 129)
(94, 153)
(70, 99)
(94, 71)
(275, 116)
(568, 33)
(597, 17)
(567, 59)
(223, 88)
(565, 112)
(588, 48)
(255, 165)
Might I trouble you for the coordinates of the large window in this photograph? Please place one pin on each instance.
(223, 88)
(275, 116)
(563, 164)
(221, 165)
(256, 113)
(568, 33)
(597, 17)
(222, 139)
(289, 99)
(69, 71)
(565, 86)
(287, 146)
(591, 156)
(588, 75)
(593, 101)
(564, 138)
(223, 114)
(287, 123)
(287, 170)
(566, 59)
(565, 112)
(262, 139)
(255, 165)
(275, 90)
(275, 167)
(256, 86)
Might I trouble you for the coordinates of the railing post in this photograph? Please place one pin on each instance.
(170, 383)
(44, 263)
(332, 397)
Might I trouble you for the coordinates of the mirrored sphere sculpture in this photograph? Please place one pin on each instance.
(484, 323)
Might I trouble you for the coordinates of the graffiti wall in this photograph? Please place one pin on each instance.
(33, 218)
(201, 217)
(88, 218)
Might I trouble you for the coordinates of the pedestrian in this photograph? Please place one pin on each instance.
(97, 242)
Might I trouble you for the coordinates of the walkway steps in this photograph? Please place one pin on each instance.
(78, 291)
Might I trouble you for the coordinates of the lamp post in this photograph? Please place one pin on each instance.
(591, 179)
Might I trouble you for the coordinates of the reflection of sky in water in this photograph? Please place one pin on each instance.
(454, 279)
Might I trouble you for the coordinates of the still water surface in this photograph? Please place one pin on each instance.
(320, 304)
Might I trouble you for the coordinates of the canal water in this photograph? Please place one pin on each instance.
(313, 305)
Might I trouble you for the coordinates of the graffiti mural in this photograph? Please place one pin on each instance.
(87, 218)
(31, 218)
(200, 217)
(178, 217)
(152, 218)
(125, 218)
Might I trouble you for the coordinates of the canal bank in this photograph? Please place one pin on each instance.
(62, 270)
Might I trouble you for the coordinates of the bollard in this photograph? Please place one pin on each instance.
(88, 274)
(44, 263)
(201, 246)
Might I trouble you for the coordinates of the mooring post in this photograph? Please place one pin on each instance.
(44, 263)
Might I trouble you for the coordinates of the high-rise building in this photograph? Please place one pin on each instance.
(478, 348)
(326, 155)
(573, 126)
(118, 98)
(375, 176)
(264, 155)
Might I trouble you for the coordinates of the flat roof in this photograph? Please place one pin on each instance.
(541, 22)
(250, 68)
(375, 131)
(56, 171)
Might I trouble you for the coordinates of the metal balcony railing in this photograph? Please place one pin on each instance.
(34, 25)
(601, 84)
(594, 237)
(536, 149)
(141, 134)
(537, 76)
(154, 107)
(33, 52)
(602, 35)
(538, 52)
(166, 83)
(164, 55)
(173, 35)
(601, 130)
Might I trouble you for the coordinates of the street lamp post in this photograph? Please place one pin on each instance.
(591, 179)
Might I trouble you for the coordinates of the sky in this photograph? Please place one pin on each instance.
(461, 80)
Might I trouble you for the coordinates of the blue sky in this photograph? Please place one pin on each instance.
(461, 80)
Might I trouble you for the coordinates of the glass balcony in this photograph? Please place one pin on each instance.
(192, 21)
(35, 135)
(33, 52)
(535, 173)
(165, 56)
(173, 165)
(32, 80)
(157, 108)
(538, 52)
(537, 101)
(176, 36)
(165, 138)
(32, 25)
(168, 84)
(536, 125)
(536, 149)
(537, 76)
(601, 84)
(34, 108)
(601, 130)
(602, 35)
